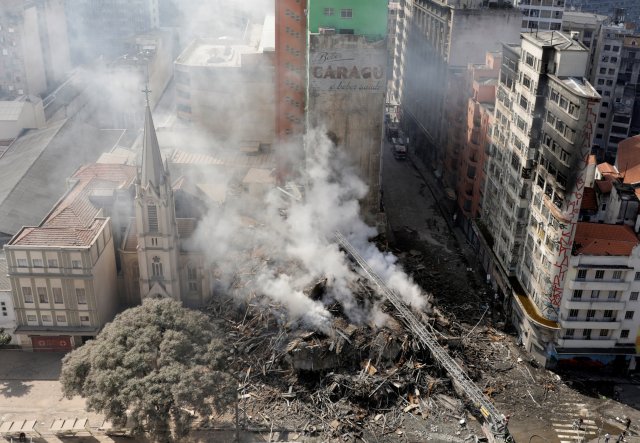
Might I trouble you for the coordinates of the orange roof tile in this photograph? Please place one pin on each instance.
(600, 239)
(607, 168)
(628, 159)
(589, 200)
(592, 159)
(73, 221)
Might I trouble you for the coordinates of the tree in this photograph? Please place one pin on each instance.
(5, 338)
(155, 363)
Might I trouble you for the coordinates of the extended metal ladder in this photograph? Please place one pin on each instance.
(497, 422)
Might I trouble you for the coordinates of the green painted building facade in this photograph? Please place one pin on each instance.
(359, 17)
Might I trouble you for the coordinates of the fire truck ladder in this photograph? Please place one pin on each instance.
(497, 422)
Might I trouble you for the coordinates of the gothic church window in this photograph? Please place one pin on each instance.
(156, 267)
(152, 215)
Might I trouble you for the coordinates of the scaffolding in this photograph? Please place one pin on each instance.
(497, 422)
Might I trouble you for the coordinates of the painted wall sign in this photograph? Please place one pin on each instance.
(345, 70)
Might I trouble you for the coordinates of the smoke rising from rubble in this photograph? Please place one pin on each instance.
(282, 257)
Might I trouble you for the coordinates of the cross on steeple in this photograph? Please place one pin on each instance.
(146, 92)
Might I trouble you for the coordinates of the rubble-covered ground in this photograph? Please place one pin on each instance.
(362, 383)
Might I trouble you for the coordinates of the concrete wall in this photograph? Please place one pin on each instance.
(104, 283)
(348, 98)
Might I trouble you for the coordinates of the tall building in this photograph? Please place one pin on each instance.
(233, 80)
(443, 37)
(101, 28)
(291, 67)
(34, 46)
(63, 271)
(545, 117)
(605, 73)
(543, 15)
(348, 80)
(481, 83)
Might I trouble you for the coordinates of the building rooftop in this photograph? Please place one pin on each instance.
(601, 239)
(75, 220)
(36, 166)
(628, 160)
(579, 86)
(582, 18)
(559, 40)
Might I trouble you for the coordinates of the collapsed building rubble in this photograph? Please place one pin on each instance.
(359, 381)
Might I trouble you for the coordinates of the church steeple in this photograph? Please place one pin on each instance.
(152, 170)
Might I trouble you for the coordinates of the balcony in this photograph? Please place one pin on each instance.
(582, 342)
(593, 303)
(600, 285)
(593, 323)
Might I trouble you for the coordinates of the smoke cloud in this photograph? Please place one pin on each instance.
(289, 244)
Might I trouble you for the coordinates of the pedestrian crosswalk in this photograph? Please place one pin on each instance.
(566, 427)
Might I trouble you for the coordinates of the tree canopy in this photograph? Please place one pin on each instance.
(156, 363)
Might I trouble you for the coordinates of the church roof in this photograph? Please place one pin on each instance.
(152, 170)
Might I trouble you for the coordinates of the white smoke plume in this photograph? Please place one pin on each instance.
(284, 255)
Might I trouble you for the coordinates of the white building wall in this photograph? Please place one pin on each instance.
(617, 293)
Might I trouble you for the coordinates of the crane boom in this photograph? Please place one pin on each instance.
(496, 421)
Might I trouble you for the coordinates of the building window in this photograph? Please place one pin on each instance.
(591, 313)
(586, 333)
(633, 296)
(604, 332)
(628, 315)
(595, 294)
(637, 277)
(81, 295)
(570, 332)
(192, 278)
(42, 295)
(52, 263)
(156, 267)
(38, 263)
(624, 333)
(32, 319)
(617, 275)
(76, 264)
(599, 274)
(61, 318)
(328, 12)
(573, 313)
(22, 262)
(582, 274)
(346, 13)
(46, 318)
(152, 216)
(612, 295)
(27, 294)
(84, 318)
(608, 313)
(57, 296)
(577, 293)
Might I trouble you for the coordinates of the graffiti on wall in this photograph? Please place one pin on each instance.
(561, 265)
